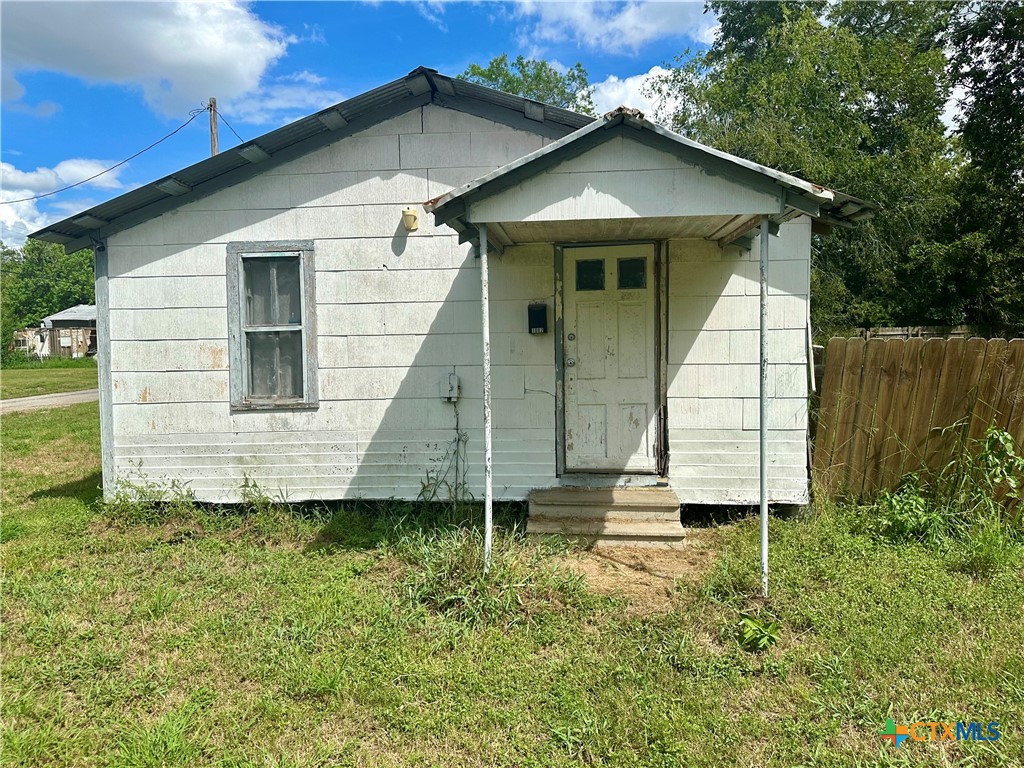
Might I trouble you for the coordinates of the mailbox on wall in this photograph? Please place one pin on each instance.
(537, 317)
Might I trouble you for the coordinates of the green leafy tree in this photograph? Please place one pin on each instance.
(983, 236)
(536, 79)
(988, 61)
(846, 94)
(38, 280)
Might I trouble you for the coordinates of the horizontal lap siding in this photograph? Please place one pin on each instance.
(713, 371)
(397, 312)
(330, 464)
(656, 184)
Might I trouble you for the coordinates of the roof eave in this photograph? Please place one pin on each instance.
(453, 204)
(422, 85)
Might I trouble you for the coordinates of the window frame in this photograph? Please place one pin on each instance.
(238, 369)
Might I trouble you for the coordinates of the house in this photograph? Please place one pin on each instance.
(68, 333)
(306, 311)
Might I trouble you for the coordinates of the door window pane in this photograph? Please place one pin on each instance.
(590, 275)
(632, 273)
(275, 363)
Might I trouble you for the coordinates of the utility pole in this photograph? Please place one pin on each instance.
(213, 126)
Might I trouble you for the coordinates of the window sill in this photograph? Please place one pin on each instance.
(270, 405)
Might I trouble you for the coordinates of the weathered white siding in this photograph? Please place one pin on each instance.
(396, 313)
(713, 342)
(622, 179)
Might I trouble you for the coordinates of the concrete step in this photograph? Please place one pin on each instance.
(644, 516)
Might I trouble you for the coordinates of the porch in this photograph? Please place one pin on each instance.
(617, 201)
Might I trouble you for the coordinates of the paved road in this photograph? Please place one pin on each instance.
(56, 400)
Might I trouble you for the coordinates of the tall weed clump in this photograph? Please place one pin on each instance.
(971, 507)
(444, 573)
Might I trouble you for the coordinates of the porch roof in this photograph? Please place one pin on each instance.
(581, 209)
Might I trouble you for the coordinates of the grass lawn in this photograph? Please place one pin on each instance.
(43, 379)
(196, 637)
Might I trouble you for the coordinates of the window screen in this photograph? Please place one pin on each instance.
(273, 362)
(273, 326)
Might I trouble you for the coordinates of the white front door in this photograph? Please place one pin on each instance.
(609, 352)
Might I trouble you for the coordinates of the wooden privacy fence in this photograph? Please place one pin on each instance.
(886, 404)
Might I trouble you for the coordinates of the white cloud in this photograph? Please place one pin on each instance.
(432, 11)
(17, 220)
(281, 101)
(66, 172)
(615, 26)
(177, 54)
(631, 92)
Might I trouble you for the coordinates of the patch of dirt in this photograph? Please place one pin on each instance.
(645, 577)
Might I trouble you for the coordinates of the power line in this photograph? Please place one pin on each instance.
(220, 114)
(194, 114)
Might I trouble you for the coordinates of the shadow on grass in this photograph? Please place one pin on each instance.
(87, 490)
(370, 524)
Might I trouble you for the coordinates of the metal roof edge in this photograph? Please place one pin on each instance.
(237, 164)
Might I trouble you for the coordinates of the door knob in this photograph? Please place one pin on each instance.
(572, 337)
(571, 362)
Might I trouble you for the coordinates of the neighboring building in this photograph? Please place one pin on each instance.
(275, 315)
(68, 333)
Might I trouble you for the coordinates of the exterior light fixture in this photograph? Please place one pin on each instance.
(410, 219)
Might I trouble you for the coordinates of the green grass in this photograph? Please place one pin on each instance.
(47, 376)
(183, 636)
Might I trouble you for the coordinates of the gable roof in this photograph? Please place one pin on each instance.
(78, 315)
(819, 202)
(421, 86)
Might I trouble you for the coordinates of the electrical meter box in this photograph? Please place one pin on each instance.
(450, 388)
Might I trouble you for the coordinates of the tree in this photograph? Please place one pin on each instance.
(40, 279)
(536, 79)
(987, 43)
(988, 61)
(845, 94)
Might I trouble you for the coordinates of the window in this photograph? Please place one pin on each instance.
(590, 275)
(271, 316)
(632, 273)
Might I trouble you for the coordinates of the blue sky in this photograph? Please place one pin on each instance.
(86, 84)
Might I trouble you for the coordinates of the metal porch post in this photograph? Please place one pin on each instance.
(486, 324)
(763, 402)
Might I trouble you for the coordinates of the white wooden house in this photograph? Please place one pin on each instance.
(274, 315)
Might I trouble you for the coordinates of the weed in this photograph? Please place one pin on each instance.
(966, 508)
(160, 602)
(984, 550)
(731, 582)
(755, 634)
(446, 575)
(143, 501)
(446, 478)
